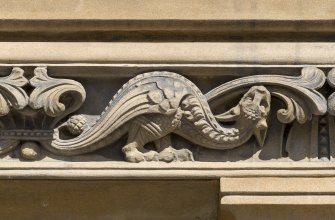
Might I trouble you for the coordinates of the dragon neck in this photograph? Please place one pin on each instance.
(208, 132)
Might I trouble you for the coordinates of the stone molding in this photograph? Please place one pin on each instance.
(174, 54)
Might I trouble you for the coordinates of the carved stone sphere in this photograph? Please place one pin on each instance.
(76, 124)
(30, 151)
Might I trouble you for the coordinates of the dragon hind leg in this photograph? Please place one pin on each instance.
(143, 130)
(138, 136)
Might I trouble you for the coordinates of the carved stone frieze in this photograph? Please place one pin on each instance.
(155, 104)
(150, 109)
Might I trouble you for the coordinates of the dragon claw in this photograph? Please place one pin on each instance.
(170, 154)
(134, 156)
(151, 156)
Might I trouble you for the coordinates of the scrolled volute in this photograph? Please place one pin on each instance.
(11, 93)
(49, 91)
(298, 93)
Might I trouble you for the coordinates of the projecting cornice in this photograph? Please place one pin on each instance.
(157, 20)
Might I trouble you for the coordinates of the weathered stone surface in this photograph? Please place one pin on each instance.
(156, 10)
(104, 199)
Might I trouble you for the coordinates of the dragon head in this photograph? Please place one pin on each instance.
(251, 111)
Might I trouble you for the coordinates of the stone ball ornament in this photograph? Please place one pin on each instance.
(76, 124)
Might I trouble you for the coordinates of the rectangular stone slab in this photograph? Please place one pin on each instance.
(106, 199)
(277, 185)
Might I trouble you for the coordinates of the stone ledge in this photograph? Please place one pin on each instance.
(276, 186)
(277, 198)
(301, 200)
(159, 170)
(169, 53)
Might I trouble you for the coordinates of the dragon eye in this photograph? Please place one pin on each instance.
(248, 98)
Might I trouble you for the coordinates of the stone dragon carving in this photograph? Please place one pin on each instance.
(155, 104)
(149, 108)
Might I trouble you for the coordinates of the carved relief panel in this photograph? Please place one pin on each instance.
(232, 114)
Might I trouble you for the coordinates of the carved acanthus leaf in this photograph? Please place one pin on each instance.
(298, 93)
(51, 93)
(11, 93)
(331, 98)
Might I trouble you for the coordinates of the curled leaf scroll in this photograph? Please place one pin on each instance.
(48, 94)
(11, 93)
(298, 93)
